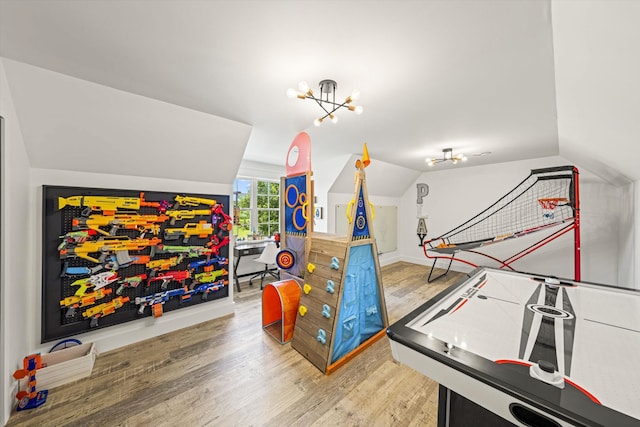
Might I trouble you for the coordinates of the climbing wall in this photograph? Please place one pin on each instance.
(342, 309)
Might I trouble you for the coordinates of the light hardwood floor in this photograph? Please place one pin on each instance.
(229, 372)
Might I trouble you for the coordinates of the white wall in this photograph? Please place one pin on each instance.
(456, 195)
(73, 124)
(325, 174)
(596, 45)
(17, 273)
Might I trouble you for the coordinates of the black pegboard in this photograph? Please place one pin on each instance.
(56, 286)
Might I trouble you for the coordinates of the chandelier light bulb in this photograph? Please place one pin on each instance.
(358, 109)
(317, 122)
(355, 95)
(291, 93)
(334, 119)
(303, 86)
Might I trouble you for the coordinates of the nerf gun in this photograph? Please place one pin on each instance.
(210, 276)
(79, 271)
(201, 229)
(226, 224)
(179, 215)
(191, 251)
(30, 398)
(164, 264)
(75, 237)
(208, 262)
(194, 201)
(206, 288)
(73, 302)
(107, 204)
(142, 223)
(157, 300)
(162, 205)
(216, 244)
(111, 263)
(104, 309)
(130, 282)
(97, 281)
(120, 245)
(170, 276)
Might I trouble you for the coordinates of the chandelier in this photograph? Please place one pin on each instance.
(447, 156)
(326, 100)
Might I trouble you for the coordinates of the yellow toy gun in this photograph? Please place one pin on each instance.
(210, 276)
(194, 201)
(164, 264)
(186, 214)
(87, 299)
(120, 245)
(141, 223)
(104, 309)
(201, 229)
(107, 204)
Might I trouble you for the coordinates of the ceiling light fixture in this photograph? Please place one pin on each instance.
(326, 100)
(447, 156)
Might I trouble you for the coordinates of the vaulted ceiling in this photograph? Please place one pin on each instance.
(475, 76)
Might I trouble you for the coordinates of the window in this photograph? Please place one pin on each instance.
(256, 207)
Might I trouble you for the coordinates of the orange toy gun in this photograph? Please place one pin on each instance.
(71, 303)
(104, 309)
(30, 398)
(120, 245)
(142, 223)
(194, 201)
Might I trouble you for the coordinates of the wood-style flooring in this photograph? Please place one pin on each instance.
(229, 372)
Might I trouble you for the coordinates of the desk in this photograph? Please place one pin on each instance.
(246, 248)
(518, 349)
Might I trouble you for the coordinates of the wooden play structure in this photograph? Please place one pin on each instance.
(342, 309)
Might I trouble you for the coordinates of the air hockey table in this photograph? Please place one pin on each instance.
(518, 349)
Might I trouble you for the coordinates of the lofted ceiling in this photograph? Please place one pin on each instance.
(478, 77)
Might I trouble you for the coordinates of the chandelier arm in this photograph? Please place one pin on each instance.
(320, 103)
(338, 104)
(329, 113)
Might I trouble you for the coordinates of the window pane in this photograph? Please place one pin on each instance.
(264, 229)
(244, 200)
(274, 202)
(274, 188)
(263, 187)
(263, 202)
(274, 216)
(263, 216)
